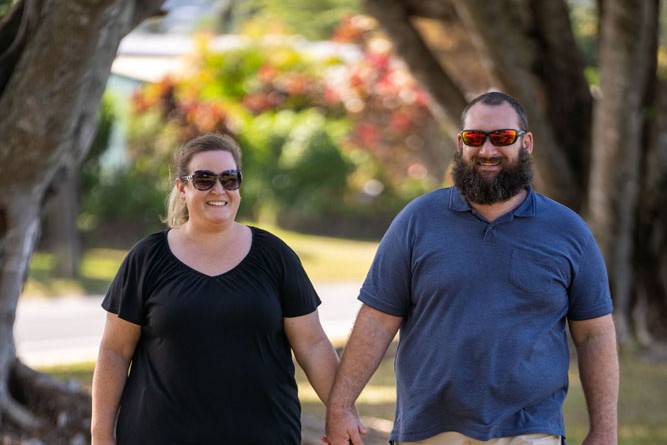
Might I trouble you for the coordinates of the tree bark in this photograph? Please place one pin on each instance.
(626, 33)
(60, 226)
(650, 307)
(568, 100)
(20, 218)
(52, 78)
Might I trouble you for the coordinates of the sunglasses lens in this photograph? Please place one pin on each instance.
(473, 138)
(203, 180)
(503, 137)
(230, 180)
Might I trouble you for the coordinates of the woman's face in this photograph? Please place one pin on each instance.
(216, 206)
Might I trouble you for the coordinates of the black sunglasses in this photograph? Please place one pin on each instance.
(205, 179)
(499, 138)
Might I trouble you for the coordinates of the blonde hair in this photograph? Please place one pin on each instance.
(177, 211)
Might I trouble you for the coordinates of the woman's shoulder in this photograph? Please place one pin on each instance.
(271, 247)
(149, 244)
(267, 240)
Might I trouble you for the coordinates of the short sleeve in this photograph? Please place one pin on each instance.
(589, 292)
(125, 296)
(297, 294)
(387, 285)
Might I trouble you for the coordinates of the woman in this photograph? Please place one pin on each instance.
(207, 314)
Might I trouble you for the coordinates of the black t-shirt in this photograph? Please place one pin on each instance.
(213, 364)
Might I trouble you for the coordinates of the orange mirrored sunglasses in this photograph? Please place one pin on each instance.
(499, 138)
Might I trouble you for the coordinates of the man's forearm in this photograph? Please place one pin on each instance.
(372, 333)
(599, 373)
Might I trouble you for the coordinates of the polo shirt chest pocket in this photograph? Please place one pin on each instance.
(535, 272)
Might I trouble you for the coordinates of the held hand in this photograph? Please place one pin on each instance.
(344, 427)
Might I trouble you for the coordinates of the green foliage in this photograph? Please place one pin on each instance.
(5, 7)
(585, 24)
(315, 20)
(309, 155)
(131, 193)
(91, 168)
(322, 139)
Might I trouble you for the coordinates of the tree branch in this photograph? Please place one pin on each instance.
(448, 100)
(15, 31)
(569, 104)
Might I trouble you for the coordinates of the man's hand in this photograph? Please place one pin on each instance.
(344, 428)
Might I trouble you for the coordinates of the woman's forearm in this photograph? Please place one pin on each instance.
(319, 363)
(108, 383)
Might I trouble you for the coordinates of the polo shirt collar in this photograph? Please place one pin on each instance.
(526, 209)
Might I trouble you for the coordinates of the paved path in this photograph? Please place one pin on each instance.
(68, 329)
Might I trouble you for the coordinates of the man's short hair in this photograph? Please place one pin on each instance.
(497, 98)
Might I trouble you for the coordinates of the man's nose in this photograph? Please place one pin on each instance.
(488, 149)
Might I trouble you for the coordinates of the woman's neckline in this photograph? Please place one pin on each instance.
(217, 275)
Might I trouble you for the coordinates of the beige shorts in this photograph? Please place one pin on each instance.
(452, 438)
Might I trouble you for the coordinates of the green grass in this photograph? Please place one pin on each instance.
(82, 373)
(98, 267)
(326, 259)
(642, 406)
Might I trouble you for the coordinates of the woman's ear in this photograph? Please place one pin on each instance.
(180, 186)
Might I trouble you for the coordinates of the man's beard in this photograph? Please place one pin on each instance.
(510, 180)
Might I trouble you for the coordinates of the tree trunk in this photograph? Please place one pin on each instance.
(504, 36)
(20, 219)
(56, 57)
(568, 100)
(61, 231)
(626, 40)
(650, 309)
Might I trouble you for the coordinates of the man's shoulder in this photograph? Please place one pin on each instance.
(550, 210)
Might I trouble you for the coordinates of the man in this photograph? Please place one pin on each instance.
(481, 278)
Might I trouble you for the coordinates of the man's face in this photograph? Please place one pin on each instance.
(488, 174)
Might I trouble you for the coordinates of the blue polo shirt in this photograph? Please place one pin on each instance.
(483, 348)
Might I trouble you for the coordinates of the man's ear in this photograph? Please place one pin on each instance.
(528, 141)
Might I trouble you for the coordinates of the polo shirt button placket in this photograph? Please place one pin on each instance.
(487, 232)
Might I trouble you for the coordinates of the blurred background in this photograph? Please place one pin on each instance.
(346, 110)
